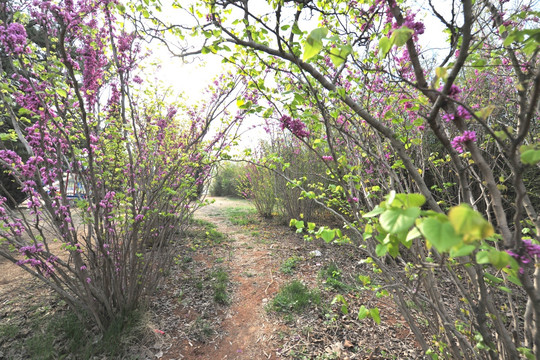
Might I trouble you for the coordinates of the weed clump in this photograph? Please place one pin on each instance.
(290, 264)
(295, 297)
(331, 276)
(221, 280)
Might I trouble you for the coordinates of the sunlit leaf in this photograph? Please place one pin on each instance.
(440, 234)
(314, 44)
(384, 46)
(339, 54)
(398, 220)
(469, 223)
(363, 312)
(401, 36)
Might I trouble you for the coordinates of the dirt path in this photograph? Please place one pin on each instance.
(247, 330)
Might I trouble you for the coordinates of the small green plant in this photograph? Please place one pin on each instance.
(294, 297)
(215, 237)
(201, 329)
(331, 275)
(290, 264)
(221, 280)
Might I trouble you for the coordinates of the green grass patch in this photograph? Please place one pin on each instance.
(290, 264)
(8, 331)
(220, 279)
(294, 297)
(203, 233)
(242, 216)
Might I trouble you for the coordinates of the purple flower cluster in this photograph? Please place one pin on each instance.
(31, 249)
(463, 113)
(453, 92)
(417, 26)
(297, 127)
(531, 251)
(13, 37)
(449, 117)
(458, 141)
(45, 266)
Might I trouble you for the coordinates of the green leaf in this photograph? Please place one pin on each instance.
(484, 113)
(328, 235)
(314, 43)
(377, 210)
(493, 279)
(364, 279)
(441, 72)
(384, 46)
(414, 233)
(410, 200)
(296, 30)
(530, 157)
(501, 135)
(514, 279)
(374, 313)
(440, 234)
(499, 259)
(482, 257)
(363, 312)
(398, 220)
(339, 54)
(509, 39)
(462, 250)
(390, 197)
(469, 223)
(381, 249)
(401, 36)
(61, 92)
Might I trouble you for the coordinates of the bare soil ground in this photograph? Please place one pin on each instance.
(245, 329)
(188, 322)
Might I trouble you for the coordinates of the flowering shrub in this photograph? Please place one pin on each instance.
(138, 163)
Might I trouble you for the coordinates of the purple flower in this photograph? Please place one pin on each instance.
(454, 90)
(463, 113)
(448, 117)
(327, 158)
(297, 127)
(458, 141)
(14, 37)
(530, 251)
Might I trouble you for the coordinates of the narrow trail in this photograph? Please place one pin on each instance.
(248, 332)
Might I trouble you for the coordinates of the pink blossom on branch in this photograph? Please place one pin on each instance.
(297, 127)
(459, 141)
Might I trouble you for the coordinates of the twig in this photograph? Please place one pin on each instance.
(272, 278)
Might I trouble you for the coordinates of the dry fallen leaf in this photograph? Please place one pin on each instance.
(348, 344)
